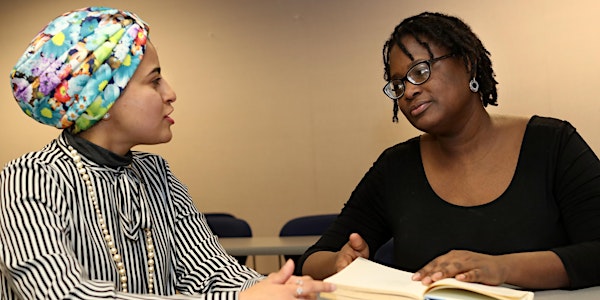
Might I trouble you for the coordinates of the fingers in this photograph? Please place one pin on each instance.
(302, 287)
(464, 266)
(357, 243)
(355, 247)
(292, 287)
(448, 265)
(428, 279)
(306, 288)
(470, 276)
(284, 274)
(345, 256)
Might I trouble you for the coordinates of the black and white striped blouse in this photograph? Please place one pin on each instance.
(51, 245)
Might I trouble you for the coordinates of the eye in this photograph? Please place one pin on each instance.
(156, 81)
(419, 73)
(397, 86)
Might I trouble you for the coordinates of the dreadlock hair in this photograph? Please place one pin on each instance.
(451, 33)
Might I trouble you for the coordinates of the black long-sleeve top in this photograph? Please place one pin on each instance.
(552, 203)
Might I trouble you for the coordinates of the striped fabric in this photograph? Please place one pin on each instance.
(51, 246)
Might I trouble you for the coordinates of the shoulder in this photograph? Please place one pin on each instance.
(540, 126)
(399, 156)
(45, 175)
(548, 122)
(535, 121)
(552, 135)
(403, 149)
(48, 157)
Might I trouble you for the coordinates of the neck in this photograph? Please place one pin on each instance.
(472, 136)
(105, 140)
(97, 153)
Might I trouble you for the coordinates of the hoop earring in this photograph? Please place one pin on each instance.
(106, 116)
(474, 85)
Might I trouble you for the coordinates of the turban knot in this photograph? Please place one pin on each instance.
(77, 66)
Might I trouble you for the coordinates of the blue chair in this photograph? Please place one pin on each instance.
(227, 225)
(385, 254)
(218, 214)
(306, 225)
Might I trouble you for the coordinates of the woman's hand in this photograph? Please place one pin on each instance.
(323, 264)
(282, 285)
(464, 266)
(354, 248)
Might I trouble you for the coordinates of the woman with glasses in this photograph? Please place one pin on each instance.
(482, 198)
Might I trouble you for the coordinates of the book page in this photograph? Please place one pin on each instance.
(497, 292)
(365, 275)
(365, 279)
(454, 294)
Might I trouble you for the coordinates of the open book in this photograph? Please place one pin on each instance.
(365, 279)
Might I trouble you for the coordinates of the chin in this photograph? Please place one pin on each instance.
(159, 139)
(421, 125)
(166, 139)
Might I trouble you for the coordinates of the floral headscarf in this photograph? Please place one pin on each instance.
(77, 66)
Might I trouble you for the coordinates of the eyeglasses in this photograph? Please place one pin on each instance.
(417, 74)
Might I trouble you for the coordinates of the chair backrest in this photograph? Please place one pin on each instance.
(219, 214)
(226, 225)
(307, 225)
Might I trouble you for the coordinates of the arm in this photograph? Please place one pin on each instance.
(204, 268)
(536, 270)
(577, 192)
(359, 230)
(37, 257)
(333, 262)
(201, 264)
(321, 264)
(533, 270)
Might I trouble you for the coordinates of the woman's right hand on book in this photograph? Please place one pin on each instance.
(354, 248)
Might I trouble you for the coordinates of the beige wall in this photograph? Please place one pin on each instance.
(280, 110)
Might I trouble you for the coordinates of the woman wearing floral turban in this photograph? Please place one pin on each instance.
(75, 69)
(86, 217)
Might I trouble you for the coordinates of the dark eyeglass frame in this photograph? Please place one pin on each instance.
(388, 88)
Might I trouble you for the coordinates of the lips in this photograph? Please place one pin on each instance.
(419, 108)
(170, 120)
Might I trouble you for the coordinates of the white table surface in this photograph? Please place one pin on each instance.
(589, 293)
(271, 245)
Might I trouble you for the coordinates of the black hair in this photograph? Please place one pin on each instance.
(451, 33)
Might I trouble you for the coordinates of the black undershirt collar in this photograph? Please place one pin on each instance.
(96, 153)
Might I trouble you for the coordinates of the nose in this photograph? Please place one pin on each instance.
(411, 90)
(169, 94)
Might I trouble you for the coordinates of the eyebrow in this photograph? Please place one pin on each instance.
(409, 66)
(155, 70)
